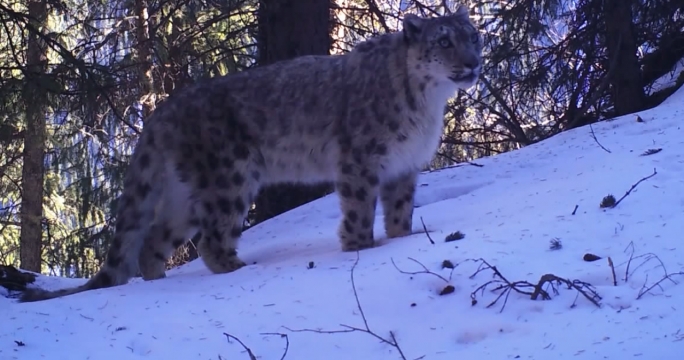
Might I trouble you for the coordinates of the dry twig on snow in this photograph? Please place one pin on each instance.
(612, 270)
(448, 289)
(287, 342)
(648, 257)
(534, 291)
(593, 135)
(249, 351)
(583, 288)
(392, 341)
(633, 187)
(424, 271)
(426, 231)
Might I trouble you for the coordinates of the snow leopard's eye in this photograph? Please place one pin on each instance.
(445, 42)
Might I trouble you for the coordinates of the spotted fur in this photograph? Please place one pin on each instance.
(368, 120)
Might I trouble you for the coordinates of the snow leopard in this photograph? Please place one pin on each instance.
(367, 121)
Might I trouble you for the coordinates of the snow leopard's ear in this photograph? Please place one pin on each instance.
(462, 13)
(413, 28)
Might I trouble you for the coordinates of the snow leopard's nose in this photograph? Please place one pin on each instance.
(470, 61)
(471, 64)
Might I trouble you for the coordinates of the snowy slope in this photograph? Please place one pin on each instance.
(509, 209)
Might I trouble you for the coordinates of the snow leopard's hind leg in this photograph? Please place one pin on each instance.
(174, 224)
(224, 179)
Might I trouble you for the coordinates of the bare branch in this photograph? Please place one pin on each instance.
(593, 135)
(634, 187)
(645, 290)
(249, 351)
(424, 271)
(534, 291)
(287, 342)
(426, 231)
(392, 341)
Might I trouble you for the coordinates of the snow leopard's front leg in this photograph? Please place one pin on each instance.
(397, 204)
(357, 187)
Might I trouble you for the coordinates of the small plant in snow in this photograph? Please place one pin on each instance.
(651, 152)
(555, 244)
(608, 201)
(454, 236)
(447, 264)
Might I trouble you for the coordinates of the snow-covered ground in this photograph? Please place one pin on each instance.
(509, 210)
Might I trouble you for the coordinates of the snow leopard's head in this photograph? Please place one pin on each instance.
(445, 48)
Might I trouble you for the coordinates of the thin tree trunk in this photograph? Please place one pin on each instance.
(626, 86)
(144, 49)
(287, 29)
(175, 73)
(33, 170)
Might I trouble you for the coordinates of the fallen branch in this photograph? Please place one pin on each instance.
(593, 135)
(426, 231)
(502, 284)
(474, 164)
(647, 258)
(287, 342)
(424, 271)
(629, 261)
(583, 288)
(645, 290)
(392, 341)
(534, 291)
(634, 187)
(249, 351)
(448, 289)
(612, 270)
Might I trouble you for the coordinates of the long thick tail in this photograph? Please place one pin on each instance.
(100, 280)
(135, 213)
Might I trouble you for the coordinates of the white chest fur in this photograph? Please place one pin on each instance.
(417, 150)
(423, 133)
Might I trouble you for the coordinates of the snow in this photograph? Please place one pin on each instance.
(509, 209)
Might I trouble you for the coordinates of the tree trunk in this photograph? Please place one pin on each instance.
(144, 50)
(33, 170)
(625, 79)
(175, 72)
(291, 28)
(288, 29)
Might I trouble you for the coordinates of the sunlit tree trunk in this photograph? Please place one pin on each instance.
(175, 72)
(144, 51)
(33, 171)
(287, 29)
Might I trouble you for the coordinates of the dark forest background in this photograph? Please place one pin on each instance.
(78, 78)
